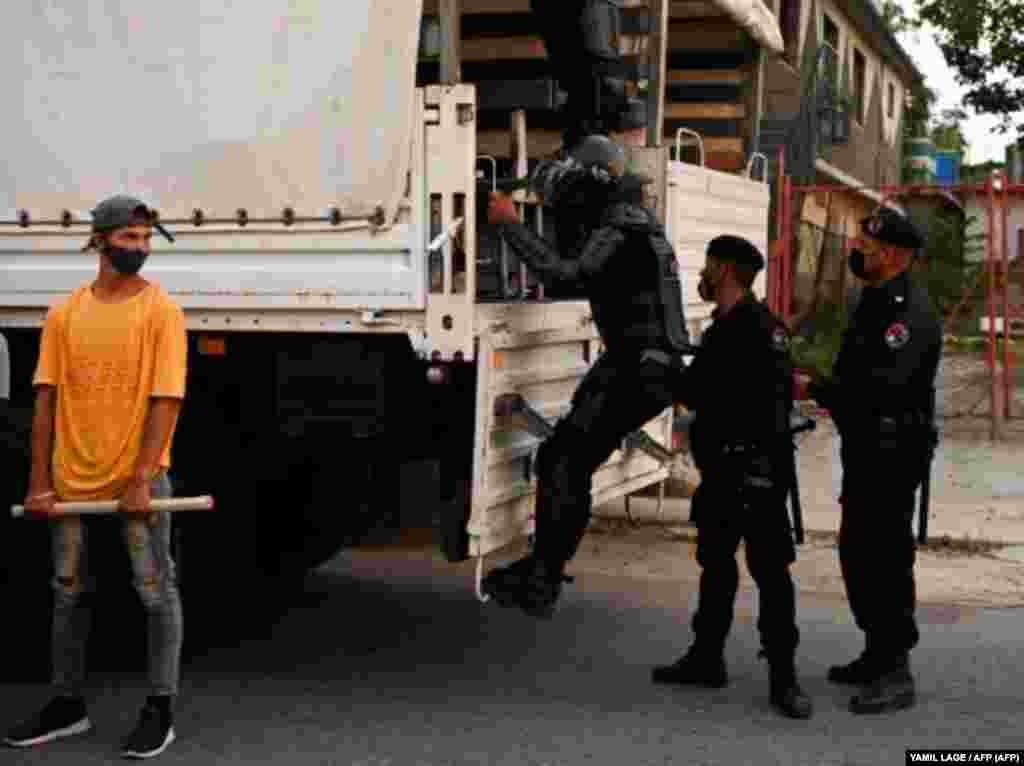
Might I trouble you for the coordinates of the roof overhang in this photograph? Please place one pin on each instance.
(757, 19)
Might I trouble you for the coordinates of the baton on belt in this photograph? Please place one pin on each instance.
(809, 424)
(926, 491)
(106, 507)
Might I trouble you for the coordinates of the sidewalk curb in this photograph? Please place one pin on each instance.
(686, 530)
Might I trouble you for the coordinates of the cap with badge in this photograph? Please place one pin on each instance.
(736, 250)
(892, 228)
(121, 210)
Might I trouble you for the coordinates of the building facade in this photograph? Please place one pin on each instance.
(845, 76)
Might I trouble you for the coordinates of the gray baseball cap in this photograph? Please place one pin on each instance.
(122, 210)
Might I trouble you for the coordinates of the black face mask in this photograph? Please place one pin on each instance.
(857, 266)
(708, 286)
(125, 262)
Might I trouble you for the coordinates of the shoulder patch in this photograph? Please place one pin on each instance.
(897, 335)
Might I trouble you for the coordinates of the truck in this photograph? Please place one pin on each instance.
(350, 330)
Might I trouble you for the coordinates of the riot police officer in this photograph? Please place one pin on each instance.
(613, 249)
(740, 387)
(881, 395)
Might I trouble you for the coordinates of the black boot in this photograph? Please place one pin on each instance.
(698, 667)
(892, 689)
(860, 672)
(530, 584)
(786, 695)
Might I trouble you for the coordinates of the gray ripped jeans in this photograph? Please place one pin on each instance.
(149, 549)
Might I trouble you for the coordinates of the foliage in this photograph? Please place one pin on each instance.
(980, 173)
(816, 346)
(946, 270)
(947, 133)
(983, 41)
(897, 19)
(918, 114)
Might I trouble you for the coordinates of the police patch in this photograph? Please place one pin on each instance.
(780, 339)
(897, 335)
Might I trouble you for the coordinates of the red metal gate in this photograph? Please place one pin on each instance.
(1004, 317)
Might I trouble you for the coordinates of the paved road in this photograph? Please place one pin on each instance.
(385, 659)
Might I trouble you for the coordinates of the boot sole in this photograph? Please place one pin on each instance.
(79, 727)
(849, 681)
(711, 684)
(144, 754)
(798, 715)
(507, 600)
(897, 703)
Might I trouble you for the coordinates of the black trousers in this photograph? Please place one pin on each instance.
(618, 395)
(578, 69)
(876, 541)
(725, 514)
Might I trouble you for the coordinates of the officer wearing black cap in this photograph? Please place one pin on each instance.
(882, 397)
(740, 385)
(613, 250)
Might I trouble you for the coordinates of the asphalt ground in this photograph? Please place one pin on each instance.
(385, 657)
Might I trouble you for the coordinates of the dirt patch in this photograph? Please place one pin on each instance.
(976, 519)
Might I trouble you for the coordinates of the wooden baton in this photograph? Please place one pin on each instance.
(173, 504)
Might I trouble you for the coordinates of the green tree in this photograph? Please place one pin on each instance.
(947, 133)
(983, 40)
(897, 19)
(918, 115)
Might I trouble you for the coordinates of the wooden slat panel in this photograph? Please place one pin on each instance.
(705, 111)
(430, 7)
(695, 9)
(705, 35)
(727, 162)
(498, 143)
(502, 48)
(532, 47)
(701, 76)
(714, 145)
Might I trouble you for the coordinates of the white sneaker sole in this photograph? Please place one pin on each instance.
(151, 753)
(79, 727)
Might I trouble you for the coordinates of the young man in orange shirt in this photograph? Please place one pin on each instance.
(110, 383)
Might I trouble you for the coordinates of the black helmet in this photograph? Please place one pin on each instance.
(596, 161)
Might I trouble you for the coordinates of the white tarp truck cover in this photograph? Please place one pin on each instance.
(212, 104)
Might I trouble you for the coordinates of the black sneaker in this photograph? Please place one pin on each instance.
(890, 691)
(62, 717)
(153, 733)
(695, 668)
(860, 672)
(528, 584)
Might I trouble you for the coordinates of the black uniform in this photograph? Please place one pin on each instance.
(578, 37)
(740, 387)
(620, 267)
(882, 399)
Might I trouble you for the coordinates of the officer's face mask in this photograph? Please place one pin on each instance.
(710, 280)
(857, 266)
(864, 266)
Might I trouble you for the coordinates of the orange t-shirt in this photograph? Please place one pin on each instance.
(106, 361)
